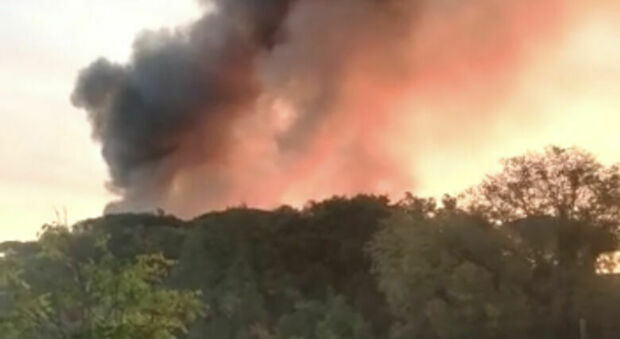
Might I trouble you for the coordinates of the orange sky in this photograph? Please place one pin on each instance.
(568, 94)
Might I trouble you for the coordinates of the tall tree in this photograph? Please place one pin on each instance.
(563, 208)
(450, 275)
(566, 183)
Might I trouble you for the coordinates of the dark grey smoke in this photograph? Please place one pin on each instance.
(279, 101)
(204, 75)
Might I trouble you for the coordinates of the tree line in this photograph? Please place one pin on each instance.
(524, 254)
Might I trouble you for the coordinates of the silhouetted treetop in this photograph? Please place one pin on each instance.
(567, 183)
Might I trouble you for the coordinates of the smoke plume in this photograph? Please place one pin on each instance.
(265, 102)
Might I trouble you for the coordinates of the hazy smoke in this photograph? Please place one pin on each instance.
(265, 102)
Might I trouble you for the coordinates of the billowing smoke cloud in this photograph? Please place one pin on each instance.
(279, 101)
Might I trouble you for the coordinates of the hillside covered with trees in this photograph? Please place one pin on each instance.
(522, 255)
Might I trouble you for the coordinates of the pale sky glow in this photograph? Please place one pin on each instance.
(574, 90)
(47, 161)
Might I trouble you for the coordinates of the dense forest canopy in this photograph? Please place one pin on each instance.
(514, 257)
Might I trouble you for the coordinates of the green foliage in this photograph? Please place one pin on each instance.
(515, 257)
(94, 294)
(563, 208)
(519, 261)
(256, 266)
(447, 274)
(333, 319)
(20, 309)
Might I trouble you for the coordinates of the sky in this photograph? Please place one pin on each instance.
(568, 94)
(48, 162)
(50, 165)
